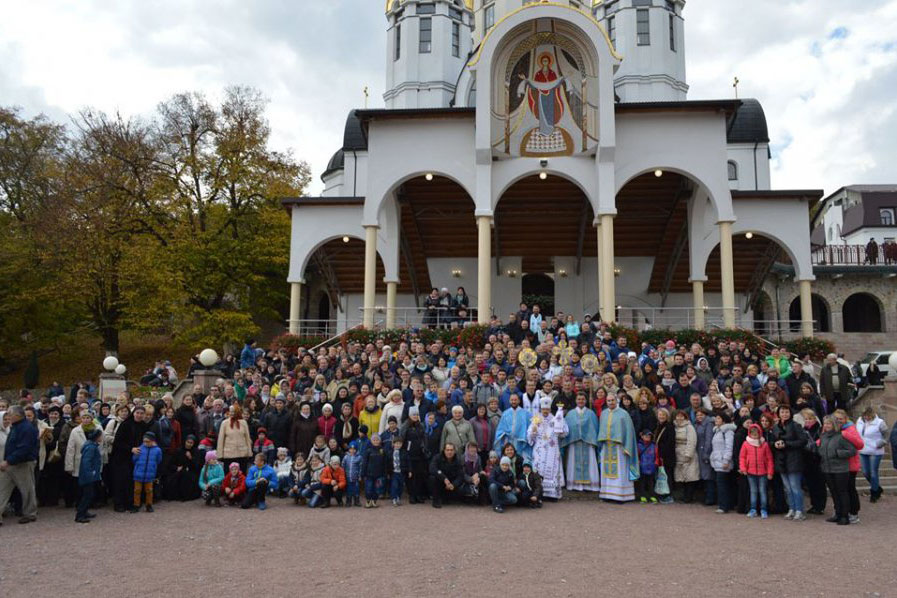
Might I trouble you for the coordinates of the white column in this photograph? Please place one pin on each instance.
(484, 269)
(295, 306)
(600, 271)
(370, 275)
(606, 258)
(727, 271)
(391, 287)
(806, 309)
(697, 293)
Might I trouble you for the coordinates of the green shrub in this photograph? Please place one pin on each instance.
(818, 348)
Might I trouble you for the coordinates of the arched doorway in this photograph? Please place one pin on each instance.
(537, 221)
(821, 317)
(538, 289)
(862, 313)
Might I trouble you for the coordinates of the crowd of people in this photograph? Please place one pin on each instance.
(548, 405)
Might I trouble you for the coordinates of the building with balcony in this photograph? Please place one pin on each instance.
(854, 260)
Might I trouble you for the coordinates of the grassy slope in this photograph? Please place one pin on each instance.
(81, 360)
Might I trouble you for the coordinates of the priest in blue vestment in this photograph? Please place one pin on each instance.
(512, 429)
(619, 453)
(581, 445)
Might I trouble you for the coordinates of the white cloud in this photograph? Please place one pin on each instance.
(825, 72)
(828, 98)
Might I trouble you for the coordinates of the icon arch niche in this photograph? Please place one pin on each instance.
(545, 98)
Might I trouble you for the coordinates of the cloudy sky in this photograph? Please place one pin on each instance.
(825, 70)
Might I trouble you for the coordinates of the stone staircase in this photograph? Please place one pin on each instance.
(884, 400)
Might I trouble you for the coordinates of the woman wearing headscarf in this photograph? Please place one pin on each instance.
(186, 416)
(303, 430)
(182, 482)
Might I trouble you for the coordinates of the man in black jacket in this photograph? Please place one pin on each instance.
(278, 422)
(446, 475)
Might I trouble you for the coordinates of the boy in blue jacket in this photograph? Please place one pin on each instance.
(352, 465)
(647, 457)
(261, 476)
(146, 461)
(89, 475)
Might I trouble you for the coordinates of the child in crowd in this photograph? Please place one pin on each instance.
(530, 484)
(373, 471)
(333, 482)
(146, 465)
(299, 475)
(398, 467)
(333, 445)
(352, 466)
(265, 446)
(261, 476)
(647, 467)
(364, 443)
(89, 474)
(234, 485)
(209, 443)
(391, 431)
(503, 488)
(320, 449)
(313, 492)
(283, 465)
(210, 479)
(755, 461)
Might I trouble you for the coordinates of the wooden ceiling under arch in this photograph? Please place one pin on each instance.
(539, 219)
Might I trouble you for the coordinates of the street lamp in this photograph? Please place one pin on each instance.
(208, 357)
(110, 363)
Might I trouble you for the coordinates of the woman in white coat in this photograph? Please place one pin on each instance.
(874, 432)
(688, 469)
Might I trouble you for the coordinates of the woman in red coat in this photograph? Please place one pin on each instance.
(327, 423)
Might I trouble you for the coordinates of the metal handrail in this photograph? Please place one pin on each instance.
(335, 337)
(402, 313)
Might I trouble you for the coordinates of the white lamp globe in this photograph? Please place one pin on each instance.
(892, 362)
(208, 357)
(110, 363)
(120, 369)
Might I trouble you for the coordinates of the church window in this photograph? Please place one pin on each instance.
(426, 35)
(489, 16)
(672, 33)
(643, 27)
(612, 30)
(456, 40)
(671, 6)
(426, 9)
(733, 170)
(887, 217)
(454, 13)
(398, 53)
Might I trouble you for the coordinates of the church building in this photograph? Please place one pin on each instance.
(546, 149)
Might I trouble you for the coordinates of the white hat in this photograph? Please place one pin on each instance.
(334, 460)
(545, 403)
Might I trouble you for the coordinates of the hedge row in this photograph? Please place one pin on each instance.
(475, 337)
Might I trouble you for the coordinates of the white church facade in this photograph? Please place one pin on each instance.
(531, 147)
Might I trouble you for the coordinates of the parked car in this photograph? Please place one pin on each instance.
(881, 360)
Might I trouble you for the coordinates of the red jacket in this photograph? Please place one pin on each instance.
(326, 426)
(331, 473)
(851, 433)
(239, 484)
(756, 460)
